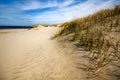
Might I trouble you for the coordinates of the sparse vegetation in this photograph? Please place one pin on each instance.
(36, 26)
(99, 35)
(45, 25)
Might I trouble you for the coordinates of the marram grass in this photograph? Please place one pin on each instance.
(93, 33)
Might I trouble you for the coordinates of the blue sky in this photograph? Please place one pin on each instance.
(30, 12)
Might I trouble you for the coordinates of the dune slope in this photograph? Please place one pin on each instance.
(31, 55)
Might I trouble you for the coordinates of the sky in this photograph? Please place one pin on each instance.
(30, 12)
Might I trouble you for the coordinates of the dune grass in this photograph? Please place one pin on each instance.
(35, 27)
(93, 33)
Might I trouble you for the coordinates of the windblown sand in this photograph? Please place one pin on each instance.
(32, 55)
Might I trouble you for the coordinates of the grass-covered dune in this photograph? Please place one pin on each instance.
(108, 18)
(99, 35)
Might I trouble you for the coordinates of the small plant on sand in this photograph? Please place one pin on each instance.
(36, 26)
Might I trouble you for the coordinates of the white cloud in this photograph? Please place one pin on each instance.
(73, 12)
(37, 5)
(68, 2)
(65, 3)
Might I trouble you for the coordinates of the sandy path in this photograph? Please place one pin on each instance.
(31, 55)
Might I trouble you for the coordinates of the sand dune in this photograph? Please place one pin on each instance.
(31, 55)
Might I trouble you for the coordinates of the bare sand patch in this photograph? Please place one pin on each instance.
(31, 55)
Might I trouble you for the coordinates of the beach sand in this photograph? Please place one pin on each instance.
(32, 55)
